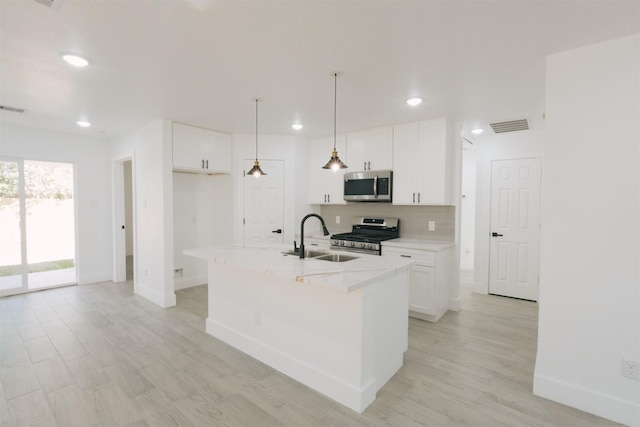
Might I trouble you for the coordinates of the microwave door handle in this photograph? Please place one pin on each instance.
(375, 186)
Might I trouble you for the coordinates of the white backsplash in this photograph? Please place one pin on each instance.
(414, 220)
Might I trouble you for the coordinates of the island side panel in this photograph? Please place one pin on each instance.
(321, 337)
(388, 310)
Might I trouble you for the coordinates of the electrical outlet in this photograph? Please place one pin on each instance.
(432, 226)
(631, 369)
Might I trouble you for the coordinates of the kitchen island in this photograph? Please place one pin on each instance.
(340, 328)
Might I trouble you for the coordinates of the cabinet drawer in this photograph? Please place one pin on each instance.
(425, 258)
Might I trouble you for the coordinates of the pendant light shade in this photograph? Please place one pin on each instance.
(334, 162)
(256, 170)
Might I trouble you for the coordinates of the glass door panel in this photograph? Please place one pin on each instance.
(50, 219)
(11, 266)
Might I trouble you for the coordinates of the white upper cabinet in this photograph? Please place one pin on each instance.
(200, 150)
(370, 150)
(326, 187)
(421, 169)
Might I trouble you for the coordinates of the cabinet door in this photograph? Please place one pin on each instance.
(316, 186)
(422, 290)
(405, 163)
(431, 178)
(380, 149)
(335, 180)
(325, 186)
(358, 151)
(188, 147)
(218, 152)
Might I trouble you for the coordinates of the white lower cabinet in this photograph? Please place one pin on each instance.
(429, 281)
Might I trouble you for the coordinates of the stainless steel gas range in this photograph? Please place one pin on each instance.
(366, 235)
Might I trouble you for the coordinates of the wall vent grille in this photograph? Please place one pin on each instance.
(12, 109)
(510, 126)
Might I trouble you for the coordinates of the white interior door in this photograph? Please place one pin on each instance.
(515, 228)
(264, 204)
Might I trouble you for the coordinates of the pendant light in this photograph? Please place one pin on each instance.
(334, 162)
(255, 170)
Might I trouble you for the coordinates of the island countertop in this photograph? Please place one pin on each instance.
(340, 276)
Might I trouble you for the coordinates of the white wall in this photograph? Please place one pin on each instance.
(590, 283)
(203, 213)
(468, 208)
(128, 206)
(150, 147)
(512, 145)
(90, 156)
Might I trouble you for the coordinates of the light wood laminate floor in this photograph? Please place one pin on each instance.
(97, 355)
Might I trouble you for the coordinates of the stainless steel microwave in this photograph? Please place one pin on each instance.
(368, 186)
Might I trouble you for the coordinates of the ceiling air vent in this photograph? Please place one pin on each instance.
(12, 109)
(510, 126)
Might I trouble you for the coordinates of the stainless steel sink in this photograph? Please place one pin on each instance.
(322, 256)
(307, 254)
(336, 257)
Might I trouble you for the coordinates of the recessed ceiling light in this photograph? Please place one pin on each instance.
(414, 101)
(296, 126)
(477, 131)
(83, 124)
(75, 60)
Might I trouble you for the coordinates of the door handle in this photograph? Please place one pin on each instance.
(279, 231)
(494, 234)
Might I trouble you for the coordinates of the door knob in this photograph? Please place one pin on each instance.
(494, 234)
(279, 231)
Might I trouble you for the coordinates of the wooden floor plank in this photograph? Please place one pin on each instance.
(130, 362)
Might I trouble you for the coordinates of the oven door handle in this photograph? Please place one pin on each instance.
(375, 186)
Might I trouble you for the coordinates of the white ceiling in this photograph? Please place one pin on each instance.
(204, 62)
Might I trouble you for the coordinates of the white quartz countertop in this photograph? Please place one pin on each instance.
(424, 245)
(341, 276)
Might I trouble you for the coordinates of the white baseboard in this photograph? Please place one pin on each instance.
(168, 300)
(189, 282)
(480, 288)
(353, 397)
(591, 401)
(454, 304)
(86, 279)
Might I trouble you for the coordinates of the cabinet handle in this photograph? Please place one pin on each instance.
(418, 197)
(364, 166)
(369, 165)
(414, 197)
(202, 164)
(207, 164)
(405, 256)
(329, 198)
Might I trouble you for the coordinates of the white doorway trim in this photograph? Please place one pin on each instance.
(515, 227)
(119, 219)
(504, 146)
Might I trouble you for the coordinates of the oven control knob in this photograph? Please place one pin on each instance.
(342, 243)
(353, 244)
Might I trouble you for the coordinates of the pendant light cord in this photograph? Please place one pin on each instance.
(335, 107)
(256, 129)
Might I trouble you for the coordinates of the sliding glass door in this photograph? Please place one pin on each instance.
(37, 225)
